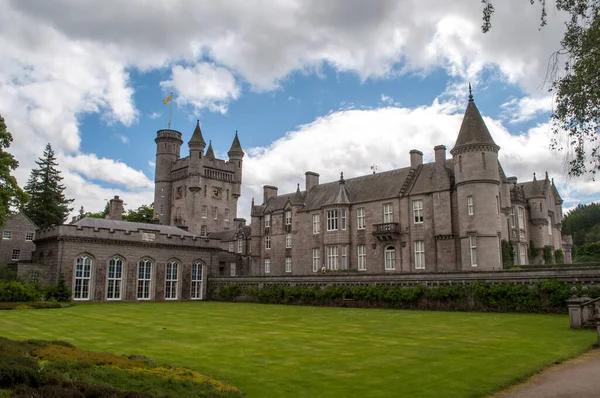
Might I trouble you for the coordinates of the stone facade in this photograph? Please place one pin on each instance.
(448, 215)
(17, 244)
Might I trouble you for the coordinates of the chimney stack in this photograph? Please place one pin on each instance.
(269, 192)
(312, 179)
(440, 154)
(115, 209)
(416, 158)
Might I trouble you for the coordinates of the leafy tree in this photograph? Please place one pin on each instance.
(577, 89)
(100, 214)
(144, 213)
(583, 224)
(11, 196)
(48, 204)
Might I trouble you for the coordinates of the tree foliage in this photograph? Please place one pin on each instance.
(577, 86)
(48, 204)
(144, 213)
(11, 196)
(99, 214)
(583, 224)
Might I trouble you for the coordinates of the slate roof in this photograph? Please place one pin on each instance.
(236, 147)
(228, 235)
(130, 226)
(427, 181)
(210, 154)
(197, 138)
(473, 129)
(533, 189)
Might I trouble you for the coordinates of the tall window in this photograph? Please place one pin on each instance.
(419, 254)
(215, 212)
(288, 217)
(332, 220)
(162, 209)
(316, 223)
(203, 231)
(512, 218)
(204, 211)
(144, 279)
(343, 219)
(230, 247)
(288, 264)
(316, 255)
(29, 236)
(473, 249)
(521, 213)
(470, 208)
(267, 220)
(171, 280)
(115, 277)
(332, 258)
(497, 205)
(418, 211)
(522, 254)
(226, 214)
(388, 213)
(288, 240)
(240, 246)
(362, 257)
(390, 258)
(267, 265)
(6, 234)
(360, 217)
(16, 253)
(344, 258)
(196, 281)
(35, 277)
(267, 242)
(549, 225)
(83, 271)
(232, 268)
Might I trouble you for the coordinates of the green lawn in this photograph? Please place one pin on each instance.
(276, 351)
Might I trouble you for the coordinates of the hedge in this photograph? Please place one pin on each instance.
(543, 297)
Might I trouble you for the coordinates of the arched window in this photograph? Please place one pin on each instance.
(390, 258)
(196, 281)
(83, 272)
(171, 269)
(144, 279)
(115, 278)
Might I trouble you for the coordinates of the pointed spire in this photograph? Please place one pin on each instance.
(342, 181)
(470, 93)
(236, 147)
(547, 176)
(298, 188)
(197, 140)
(341, 196)
(210, 154)
(297, 199)
(534, 177)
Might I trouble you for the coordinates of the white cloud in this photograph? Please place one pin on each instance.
(124, 139)
(518, 110)
(204, 85)
(154, 115)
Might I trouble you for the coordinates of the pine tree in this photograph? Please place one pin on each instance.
(47, 205)
(11, 196)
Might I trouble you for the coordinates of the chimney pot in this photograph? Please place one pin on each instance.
(416, 158)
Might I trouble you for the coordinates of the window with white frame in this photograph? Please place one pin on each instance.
(16, 253)
(332, 220)
(521, 214)
(171, 270)
(470, 206)
(203, 231)
(362, 257)
(390, 258)
(512, 218)
(360, 217)
(215, 212)
(115, 279)
(343, 219)
(332, 258)
(288, 217)
(267, 265)
(267, 220)
(418, 211)
(288, 240)
(267, 242)
(316, 256)
(549, 225)
(240, 246)
(316, 218)
(230, 247)
(419, 254)
(522, 254)
(144, 279)
(6, 235)
(288, 264)
(83, 272)
(388, 213)
(204, 211)
(196, 293)
(344, 258)
(29, 236)
(226, 214)
(232, 268)
(473, 249)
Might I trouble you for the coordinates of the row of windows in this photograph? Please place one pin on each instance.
(215, 212)
(288, 241)
(240, 246)
(114, 285)
(287, 218)
(471, 205)
(7, 235)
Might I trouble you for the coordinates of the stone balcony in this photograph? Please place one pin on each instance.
(386, 231)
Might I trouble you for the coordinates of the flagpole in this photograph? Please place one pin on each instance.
(171, 110)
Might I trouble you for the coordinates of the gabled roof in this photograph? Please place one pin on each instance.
(210, 154)
(197, 139)
(533, 189)
(130, 226)
(431, 178)
(473, 130)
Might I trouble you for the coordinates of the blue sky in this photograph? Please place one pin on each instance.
(326, 88)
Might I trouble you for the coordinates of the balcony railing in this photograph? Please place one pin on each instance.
(386, 231)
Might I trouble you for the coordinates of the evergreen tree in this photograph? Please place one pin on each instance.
(47, 205)
(144, 213)
(11, 196)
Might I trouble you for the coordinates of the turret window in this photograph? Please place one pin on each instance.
(483, 160)
(267, 265)
(473, 250)
(549, 225)
(521, 214)
(470, 207)
(343, 219)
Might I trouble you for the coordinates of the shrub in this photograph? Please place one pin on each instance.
(18, 292)
(8, 274)
(548, 254)
(559, 256)
(59, 292)
(508, 253)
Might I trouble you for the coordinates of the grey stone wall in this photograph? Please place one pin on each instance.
(19, 226)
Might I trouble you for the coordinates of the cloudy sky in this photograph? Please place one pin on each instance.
(326, 86)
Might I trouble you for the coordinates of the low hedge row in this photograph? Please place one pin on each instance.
(546, 297)
(18, 292)
(35, 305)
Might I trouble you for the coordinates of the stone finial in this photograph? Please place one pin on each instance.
(342, 181)
(470, 93)
(534, 177)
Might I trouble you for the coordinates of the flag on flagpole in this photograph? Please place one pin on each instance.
(168, 99)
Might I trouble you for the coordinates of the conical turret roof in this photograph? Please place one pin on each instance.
(209, 152)
(341, 197)
(473, 130)
(236, 147)
(197, 139)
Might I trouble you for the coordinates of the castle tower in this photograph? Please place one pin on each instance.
(477, 181)
(168, 145)
(236, 154)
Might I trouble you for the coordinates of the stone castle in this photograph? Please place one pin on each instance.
(449, 215)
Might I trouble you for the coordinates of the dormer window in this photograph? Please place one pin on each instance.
(267, 220)
(288, 217)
